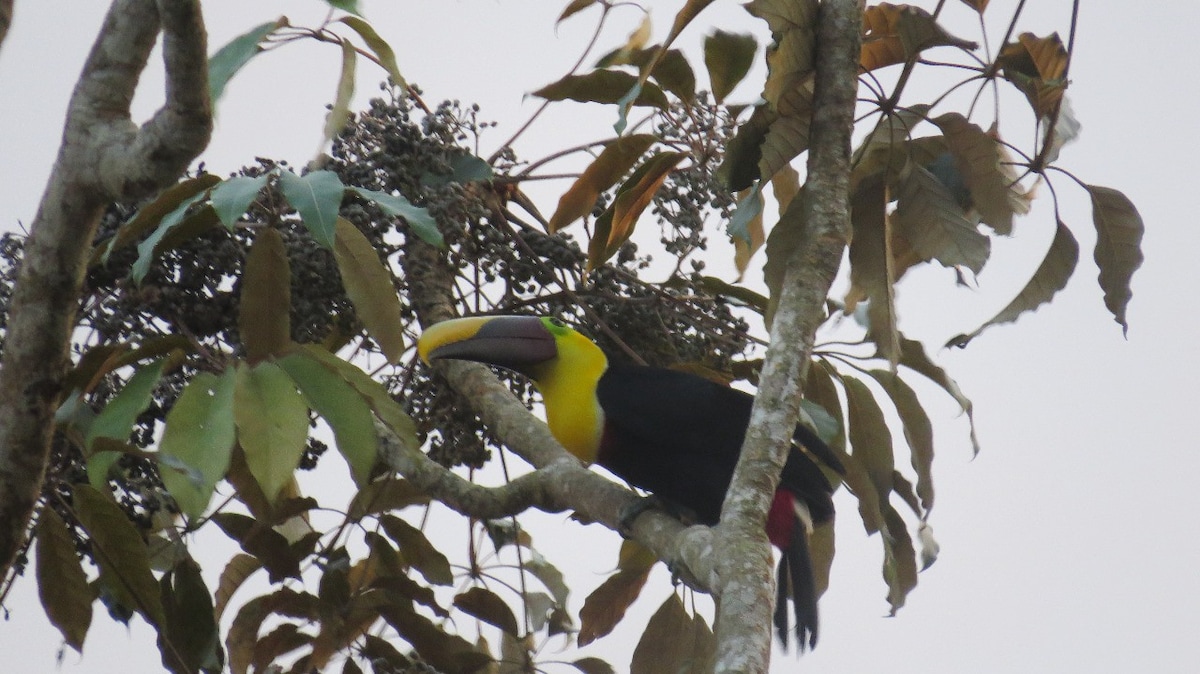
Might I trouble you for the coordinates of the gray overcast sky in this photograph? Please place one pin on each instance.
(1070, 544)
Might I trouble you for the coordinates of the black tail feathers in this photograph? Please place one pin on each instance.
(795, 581)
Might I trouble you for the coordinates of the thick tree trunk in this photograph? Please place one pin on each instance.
(104, 157)
(745, 591)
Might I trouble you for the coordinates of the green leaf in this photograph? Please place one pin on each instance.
(1051, 276)
(62, 583)
(614, 161)
(603, 86)
(117, 419)
(228, 60)
(120, 552)
(339, 112)
(384, 495)
(673, 72)
(146, 248)
(151, 214)
(232, 198)
(418, 551)
(417, 217)
(1119, 230)
(468, 168)
(781, 242)
(317, 196)
(343, 408)
(443, 651)
(369, 286)
(198, 440)
(379, 46)
(487, 606)
(272, 424)
(388, 410)
(264, 309)
(345, 5)
(749, 208)
(190, 639)
(791, 60)
(728, 57)
(739, 168)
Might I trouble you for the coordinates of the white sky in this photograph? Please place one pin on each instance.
(1070, 544)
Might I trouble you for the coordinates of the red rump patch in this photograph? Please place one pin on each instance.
(781, 519)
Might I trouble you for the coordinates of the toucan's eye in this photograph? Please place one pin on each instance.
(557, 322)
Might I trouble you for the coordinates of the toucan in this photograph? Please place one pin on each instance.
(674, 434)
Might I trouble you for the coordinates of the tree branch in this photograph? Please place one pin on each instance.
(104, 157)
(745, 581)
(567, 482)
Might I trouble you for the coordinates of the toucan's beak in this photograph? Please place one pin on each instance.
(518, 343)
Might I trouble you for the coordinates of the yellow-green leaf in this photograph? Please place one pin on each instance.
(62, 584)
(264, 311)
(388, 410)
(871, 275)
(918, 431)
(383, 51)
(1119, 230)
(272, 424)
(343, 408)
(913, 356)
(368, 283)
(339, 113)
(870, 442)
(316, 196)
(198, 440)
(120, 552)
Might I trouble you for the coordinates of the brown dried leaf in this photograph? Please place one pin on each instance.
(243, 632)
(418, 551)
(487, 606)
(913, 356)
(995, 193)
(1051, 276)
(617, 157)
(871, 275)
(871, 445)
(899, 559)
(615, 225)
(62, 583)
(918, 431)
(896, 33)
(602, 86)
(728, 57)
(606, 605)
(931, 220)
(666, 645)
(240, 567)
(1036, 66)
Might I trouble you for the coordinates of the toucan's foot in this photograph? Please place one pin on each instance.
(632, 511)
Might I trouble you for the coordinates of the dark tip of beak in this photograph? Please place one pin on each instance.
(518, 343)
